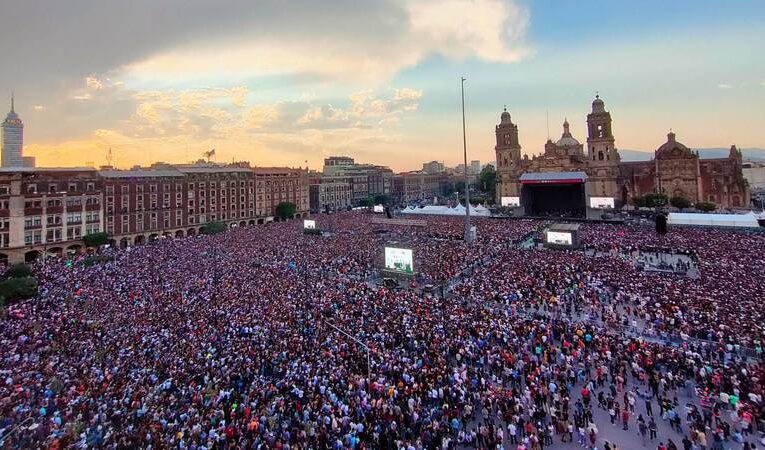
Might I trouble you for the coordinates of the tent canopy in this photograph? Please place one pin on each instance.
(716, 220)
(458, 210)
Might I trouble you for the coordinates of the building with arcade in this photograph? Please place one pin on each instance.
(574, 179)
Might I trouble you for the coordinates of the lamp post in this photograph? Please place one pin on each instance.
(363, 345)
(468, 235)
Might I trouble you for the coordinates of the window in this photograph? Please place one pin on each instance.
(152, 188)
(73, 202)
(32, 221)
(72, 187)
(53, 188)
(90, 187)
(75, 232)
(4, 190)
(73, 217)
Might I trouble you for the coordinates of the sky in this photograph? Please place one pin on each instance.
(290, 82)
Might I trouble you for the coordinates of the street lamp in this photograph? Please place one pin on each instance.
(468, 234)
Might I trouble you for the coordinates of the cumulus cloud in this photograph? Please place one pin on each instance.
(363, 47)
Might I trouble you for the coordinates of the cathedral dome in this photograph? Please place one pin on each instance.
(566, 139)
(673, 149)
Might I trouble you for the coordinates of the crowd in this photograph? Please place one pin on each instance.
(264, 337)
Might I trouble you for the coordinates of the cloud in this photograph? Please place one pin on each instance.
(724, 86)
(38, 107)
(94, 83)
(362, 46)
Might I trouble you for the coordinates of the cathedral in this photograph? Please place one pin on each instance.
(568, 176)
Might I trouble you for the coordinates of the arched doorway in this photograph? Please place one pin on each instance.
(55, 252)
(251, 223)
(31, 256)
(191, 232)
(153, 237)
(124, 242)
(3, 259)
(297, 216)
(260, 221)
(243, 224)
(112, 243)
(73, 248)
(139, 240)
(179, 234)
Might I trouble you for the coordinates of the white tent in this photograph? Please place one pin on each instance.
(715, 220)
(458, 210)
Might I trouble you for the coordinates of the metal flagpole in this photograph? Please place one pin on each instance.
(468, 237)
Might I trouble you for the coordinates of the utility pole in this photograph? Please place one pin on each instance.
(468, 236)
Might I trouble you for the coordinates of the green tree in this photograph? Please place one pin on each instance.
(706, 206)
(19, 270)
(286, 210)
(639, 202)
(214, 228)
(14, 289)
(488, 181)
(381, 199)
(95, 239)
(655, 200)
(680, 202)
(447, 189)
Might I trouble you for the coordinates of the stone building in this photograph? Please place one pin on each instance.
(569, 172)
(677, 171)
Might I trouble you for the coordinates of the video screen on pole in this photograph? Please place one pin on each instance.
(601, 202)
(379, 209)
(309, 224)
(511, 202)
(559, 238)
(399, 260)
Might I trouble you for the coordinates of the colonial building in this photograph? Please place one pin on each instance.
(366, 180)
(47, 211)
(599, 171)
(677, 171)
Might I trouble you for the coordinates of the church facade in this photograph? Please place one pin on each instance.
(675, 170)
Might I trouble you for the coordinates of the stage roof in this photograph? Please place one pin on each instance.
(553, 177)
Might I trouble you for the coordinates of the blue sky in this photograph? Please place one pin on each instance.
(283, 82)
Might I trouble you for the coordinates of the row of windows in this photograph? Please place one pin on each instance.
(53, 188)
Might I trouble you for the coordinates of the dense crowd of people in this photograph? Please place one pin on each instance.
(265, 337)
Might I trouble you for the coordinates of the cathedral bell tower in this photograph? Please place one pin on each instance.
(602, 157)
(508, 153)
(508, 149)
(600, 138)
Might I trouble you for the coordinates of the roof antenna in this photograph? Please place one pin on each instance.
(547, 113)
(12, 102)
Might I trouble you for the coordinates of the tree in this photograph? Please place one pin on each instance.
(381, 199)
(655, 200)
(95, 239)
(639, 202)
(367, 202)
(706, 206)
(19, 270)
(14, 289)
(488, 181)
(286, 210)
(680, 202)
(214, 228)
(447, 189)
